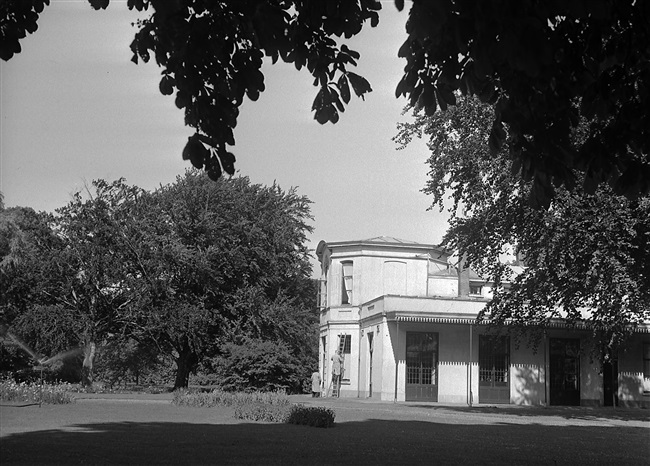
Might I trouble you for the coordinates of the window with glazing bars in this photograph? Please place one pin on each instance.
(493, 359)
(346, 285)
(421, 358)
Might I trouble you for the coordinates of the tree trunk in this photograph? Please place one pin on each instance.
(87, 366)
(185, 363)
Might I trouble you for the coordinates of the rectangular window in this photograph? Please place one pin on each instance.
(347, 351)
(346, 286)
(421, 358)
(646, 368)
(322, 294)
(494, 360)
(475, 289)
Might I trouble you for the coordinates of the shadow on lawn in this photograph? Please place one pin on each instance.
(565, 412)
(360, 442)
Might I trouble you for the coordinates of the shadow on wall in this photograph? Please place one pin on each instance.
(354, 442)
(630, 390)
(529, 387)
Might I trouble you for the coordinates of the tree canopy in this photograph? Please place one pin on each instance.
(587, 256)
(543, 65)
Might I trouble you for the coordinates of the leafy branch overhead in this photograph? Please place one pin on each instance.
(534, 61)
(544, 66)
(211, 55)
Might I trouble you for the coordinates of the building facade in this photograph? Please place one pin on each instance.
(404, 319)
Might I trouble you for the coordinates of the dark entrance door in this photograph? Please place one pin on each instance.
(371, 349)
(494, 369)
(610, 383)
(564, 356)
(421, 366)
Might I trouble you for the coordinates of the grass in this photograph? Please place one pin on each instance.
(365, 433)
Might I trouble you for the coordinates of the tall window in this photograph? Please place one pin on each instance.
(494, 360)
(347, 350)
(421, 358)
(322, 294)
(346, 286)
(646, 368)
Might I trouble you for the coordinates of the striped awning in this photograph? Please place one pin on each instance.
(559, 324)
(436, 320)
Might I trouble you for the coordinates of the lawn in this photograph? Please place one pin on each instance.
(124, 431)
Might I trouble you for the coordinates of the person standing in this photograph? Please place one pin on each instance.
(337, 369)
(315, 384)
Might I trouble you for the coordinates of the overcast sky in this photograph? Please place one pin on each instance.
(74, 108)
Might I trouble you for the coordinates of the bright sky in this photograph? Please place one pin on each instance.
(74, 108)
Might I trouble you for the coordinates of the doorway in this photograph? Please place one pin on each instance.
(370, 350)
(421, 366)
(564, 356)
(494, 369)
(610, 383)
(324, 363)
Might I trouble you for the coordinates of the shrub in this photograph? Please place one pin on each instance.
(258, 406)
(222, 398)
(258, 365)
(265, 412)
(34, 393)
(314, 416)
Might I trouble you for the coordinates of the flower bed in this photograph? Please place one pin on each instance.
(48, 393)
(258, 406)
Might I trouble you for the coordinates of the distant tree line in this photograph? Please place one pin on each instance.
(197, 277)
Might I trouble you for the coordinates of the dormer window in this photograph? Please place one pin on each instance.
(476, 290)
(346, 285)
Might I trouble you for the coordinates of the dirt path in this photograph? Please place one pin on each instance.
(152, 431)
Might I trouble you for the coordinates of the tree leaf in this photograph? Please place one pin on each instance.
(359, 84)
(166, 85)
(344, 88)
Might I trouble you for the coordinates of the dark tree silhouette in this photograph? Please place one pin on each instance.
(587, 257)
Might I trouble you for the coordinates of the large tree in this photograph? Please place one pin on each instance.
(25, 239)
(587, 256)
(63, 281)
(181, 270)
(211, 260)
(534, 59)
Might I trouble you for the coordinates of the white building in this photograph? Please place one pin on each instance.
(405, 320)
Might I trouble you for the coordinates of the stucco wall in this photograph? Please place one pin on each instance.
(443, 286)
(527, 375)
(387, 382)
(630, 374)
(453, 342)
(591, 382)
(376, 274)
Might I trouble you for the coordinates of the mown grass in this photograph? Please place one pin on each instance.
(252, 406)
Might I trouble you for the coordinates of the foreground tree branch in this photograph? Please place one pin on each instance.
(545, 66)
